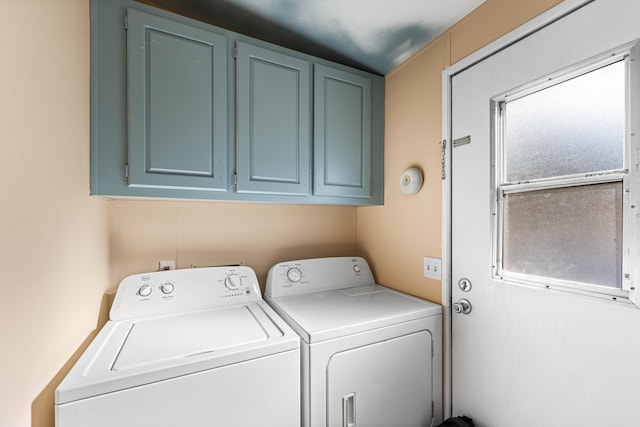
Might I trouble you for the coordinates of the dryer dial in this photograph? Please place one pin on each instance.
(294, 274)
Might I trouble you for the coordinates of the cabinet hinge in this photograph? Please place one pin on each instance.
(235, 50)
(235, 180)
(126, 171)
(443, 159)
(433, 408)
(126, 22)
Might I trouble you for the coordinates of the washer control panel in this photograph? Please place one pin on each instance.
(172, 291)
(317, 274)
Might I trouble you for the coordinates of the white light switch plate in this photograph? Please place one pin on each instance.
(432, 267)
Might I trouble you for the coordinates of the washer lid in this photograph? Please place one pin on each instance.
(131, 353)
(150, 341)
(331, 314)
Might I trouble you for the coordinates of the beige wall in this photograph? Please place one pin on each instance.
(395, 237)
(54, 260)
(208, 233)
(61, 250)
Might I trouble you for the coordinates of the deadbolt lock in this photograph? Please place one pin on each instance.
(464, 284)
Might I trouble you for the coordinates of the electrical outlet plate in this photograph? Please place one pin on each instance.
(167, 265)
(432, 268)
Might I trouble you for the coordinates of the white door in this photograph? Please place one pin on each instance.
(529, 355)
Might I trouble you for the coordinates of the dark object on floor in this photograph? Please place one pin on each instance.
(462, 421)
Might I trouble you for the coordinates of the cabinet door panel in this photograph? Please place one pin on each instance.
(273, 122)
(342, 138)
(177, 105)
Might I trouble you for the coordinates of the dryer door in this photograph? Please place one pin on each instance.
(388, 383)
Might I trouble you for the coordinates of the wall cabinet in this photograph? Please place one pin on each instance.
(273, 137)
(342, 133)
(177, 92)
(182, 109)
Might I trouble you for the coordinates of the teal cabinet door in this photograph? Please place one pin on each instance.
(342, 133)
(177, 105)
(273, 133)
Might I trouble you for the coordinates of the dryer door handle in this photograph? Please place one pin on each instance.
(349, 410)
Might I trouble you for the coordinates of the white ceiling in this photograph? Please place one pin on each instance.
(375, 35)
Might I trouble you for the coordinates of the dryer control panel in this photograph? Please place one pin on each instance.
(172, 291)
(317, 274)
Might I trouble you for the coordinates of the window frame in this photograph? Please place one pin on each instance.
(629, 176)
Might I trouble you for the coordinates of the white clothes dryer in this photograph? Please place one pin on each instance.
(194, 347)
(371, 356)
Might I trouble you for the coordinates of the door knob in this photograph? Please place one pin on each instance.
(462, 306)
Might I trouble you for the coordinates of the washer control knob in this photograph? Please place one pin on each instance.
(232, 282)
(144, 291)
(167, 288)
(294, 274)
(357, 268)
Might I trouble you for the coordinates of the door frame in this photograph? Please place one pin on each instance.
(521, 32)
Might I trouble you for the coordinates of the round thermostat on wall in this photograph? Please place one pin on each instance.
(411, 181)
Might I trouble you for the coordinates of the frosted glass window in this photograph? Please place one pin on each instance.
(574, 127)
(572, 233)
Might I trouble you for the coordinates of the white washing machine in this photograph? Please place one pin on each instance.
(371, 356)
(193, 348)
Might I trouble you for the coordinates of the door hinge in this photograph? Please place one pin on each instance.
(126, 171)
(443, 158)
(433, 408)
(126, 22)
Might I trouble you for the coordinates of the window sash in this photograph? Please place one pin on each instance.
(543, 139)
(564, 182)
(630, 177)
(501, 272)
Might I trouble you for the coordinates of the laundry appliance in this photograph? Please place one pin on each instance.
(193, 347)
(371, 356)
